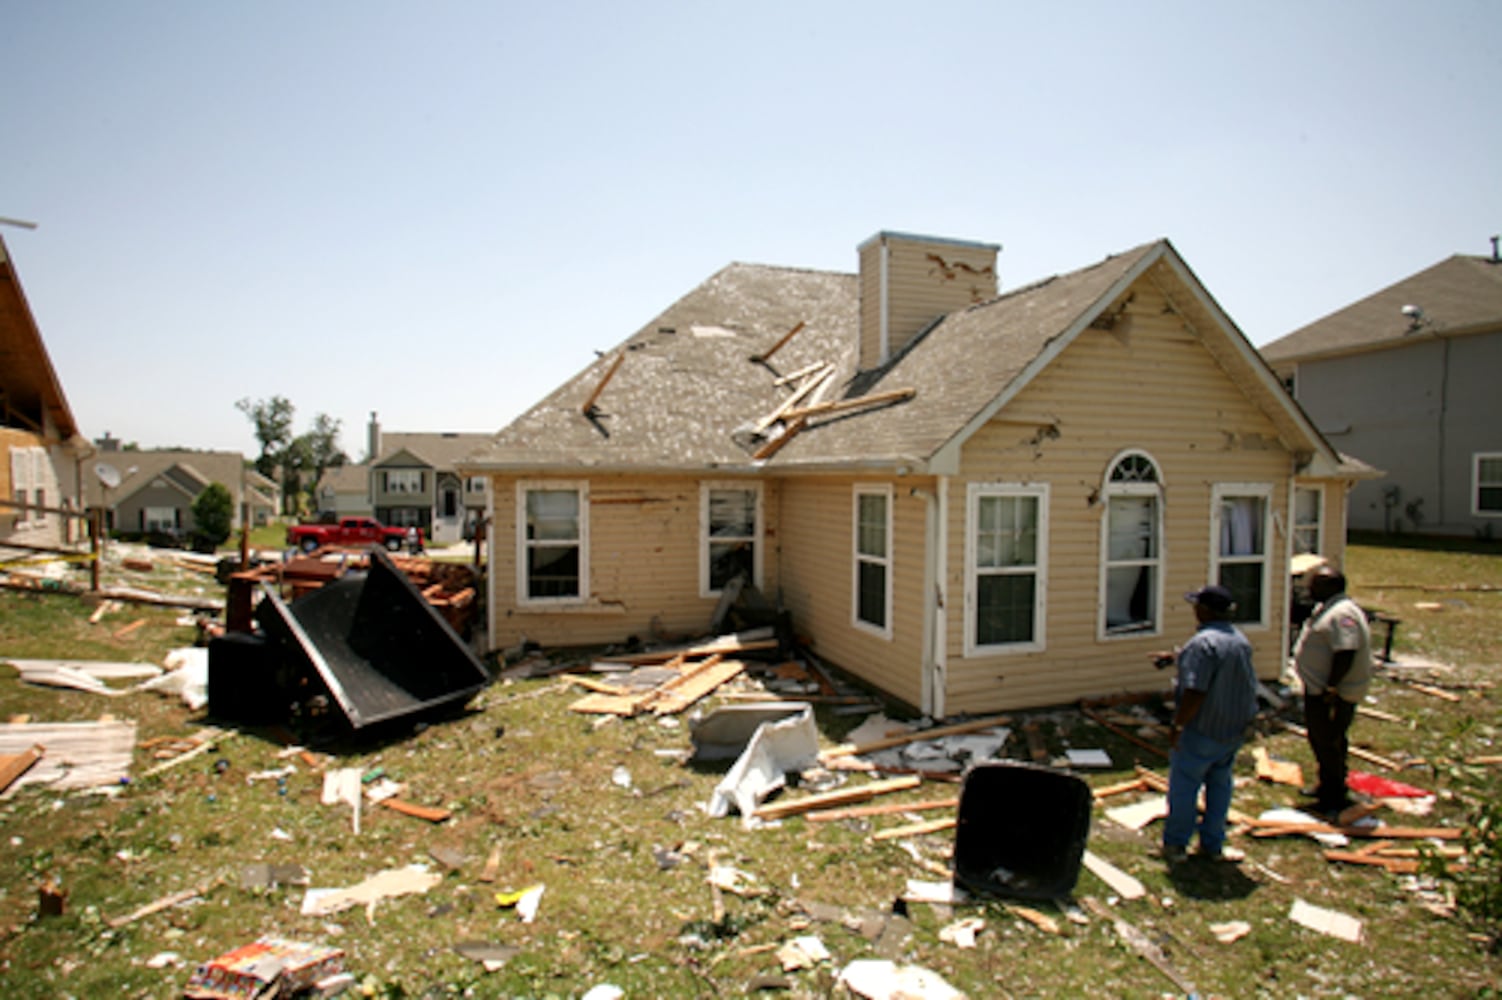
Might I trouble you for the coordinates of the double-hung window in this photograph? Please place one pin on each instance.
(404, 480)
(1132, 570)
(552, 542)
(1308, 503)
(871, 576)
(1006, 542)
(1240, 523)
(1486, 485)
(730, 535)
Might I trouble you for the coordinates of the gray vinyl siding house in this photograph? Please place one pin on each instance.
(1406, 378)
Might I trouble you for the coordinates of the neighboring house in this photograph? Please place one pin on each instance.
(156, 489)
(971, 501)
(345, 491)
(1406, 378)
(40, 447)
(414, 480)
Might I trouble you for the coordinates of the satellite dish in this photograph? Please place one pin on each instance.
(108, 475)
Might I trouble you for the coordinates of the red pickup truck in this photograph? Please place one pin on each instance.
(354, 531)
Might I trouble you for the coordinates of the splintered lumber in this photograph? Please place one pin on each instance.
(854, 403)
(1282, 772)
(792, 401)
(885, 809)
(1121, 883)
(1159, 783)
(917, 829)
(1374, 713)
(121, 633)
(765, 355)
(1277, 828)
(736, 642)
(1037, 918)
(1432, 691)
(1141, 944)
(1120, 788)
(13, 765)
(916, 736)
(601, 687)
(838, 797)
(589, 404)
(679, 695)
(164, 903)
(1132, 738)
(773, 446)
(429, 813)
(1354, 751)
(1400, 866)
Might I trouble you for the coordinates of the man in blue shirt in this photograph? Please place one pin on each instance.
(1215, 698)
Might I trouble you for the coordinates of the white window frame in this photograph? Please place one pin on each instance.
(402, 480)
(974, 493)
(757, 537)
(1476, 484)
(1319, 518)
(523, 487)
(159, 519)
(859, 558)
(476, 484)
(1219, 493)
(1159, 562)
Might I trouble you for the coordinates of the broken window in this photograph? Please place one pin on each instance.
(872, 578)
(731, 519)
(1132, 567)
(1486, 490)
(551, 563)
(1240, 523)
(1005, 550)
(1308, 502)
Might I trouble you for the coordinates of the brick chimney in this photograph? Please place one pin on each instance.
(907, 282)
(373, 438)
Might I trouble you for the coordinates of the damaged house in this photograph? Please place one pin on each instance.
(970, 500)
(41, 450)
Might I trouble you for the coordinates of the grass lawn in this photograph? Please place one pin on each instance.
(624, 862)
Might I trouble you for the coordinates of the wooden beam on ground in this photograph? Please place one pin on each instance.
(695, 685)
(886, 809)
(1278, 828)
(1354, 751)
(916, 736)
(1131, 738)
(13, 765)
(1373, 713)
(1121, 787)
(429, 813)
(917, 829)
(1121, 883)
(838, 797)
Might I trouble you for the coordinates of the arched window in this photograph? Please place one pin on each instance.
(1132, 547)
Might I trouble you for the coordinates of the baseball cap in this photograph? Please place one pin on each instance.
(1214, 596)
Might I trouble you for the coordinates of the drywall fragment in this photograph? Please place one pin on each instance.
(1230, 931)
(962, 933)
(879, 979)
(1330, 922)
(413, 879)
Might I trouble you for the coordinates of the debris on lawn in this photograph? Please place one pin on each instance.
(1281, 772)
(79, 755)
(839, 797)
(82, 675)
(782, 742)
(488, 953)
(270, 967)
(166, 902)
(13, 765)
(1331, 922)
(962, 932)
(802, 952)
(1141, 944)
(525, 901)
(1124, 885)
(880, 979)
(994, 854)
(414, 879)
(262, 875)
(1231, 931)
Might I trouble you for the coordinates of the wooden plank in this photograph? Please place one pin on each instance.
(840, 405)
(792, 401)
(779, 345)
(1121, 787)
(579, 680)
(917, 829)
(773, 446)
(1373, 713)
(13, 765)
(589, 404)
(1124, 885)
(1282, 772)
(1269, 828)
(851, 750)
(697, 685)
(429, 813)
(1396, 865)
(838, 797)
(885, 809)
(121, 633)
(1432, 691)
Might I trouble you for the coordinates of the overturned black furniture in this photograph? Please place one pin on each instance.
(367, 646)
(1021, 830)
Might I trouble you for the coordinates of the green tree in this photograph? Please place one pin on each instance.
(273, 423)
(213, 513)
(318, 450)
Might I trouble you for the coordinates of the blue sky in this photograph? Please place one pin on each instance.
(440, 211)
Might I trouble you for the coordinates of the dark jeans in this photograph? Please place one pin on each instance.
(1328, 722)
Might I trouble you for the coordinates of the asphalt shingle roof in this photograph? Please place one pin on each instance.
(1460, 294)
(688, 391)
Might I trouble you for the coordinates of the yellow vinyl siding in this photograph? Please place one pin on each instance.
(644, 537)
(922, 280)
(817, 562)
(1147, 386)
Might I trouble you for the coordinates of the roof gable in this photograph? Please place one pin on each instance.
(1459, 295)
(28, 382)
